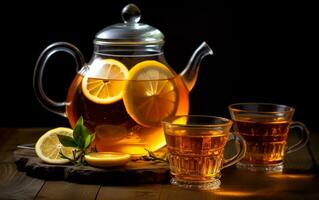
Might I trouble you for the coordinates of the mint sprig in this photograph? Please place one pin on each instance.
(81, 140)
(152, 157)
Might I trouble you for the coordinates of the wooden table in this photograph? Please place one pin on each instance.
(300, 181)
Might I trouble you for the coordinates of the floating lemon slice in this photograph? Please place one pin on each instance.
(48, 147)
(104, 82)
(151, 93)
(107, 159)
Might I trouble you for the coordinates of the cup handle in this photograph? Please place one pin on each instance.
(240, 154)
(304, 136)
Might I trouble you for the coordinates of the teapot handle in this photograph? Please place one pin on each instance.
(48, 103)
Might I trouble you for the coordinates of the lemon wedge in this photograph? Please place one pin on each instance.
(107, 159)
(48, 146)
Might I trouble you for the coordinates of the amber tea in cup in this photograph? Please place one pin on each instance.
(196, 149)
(265, 128)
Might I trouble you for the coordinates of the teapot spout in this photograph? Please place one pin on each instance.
(190, 73)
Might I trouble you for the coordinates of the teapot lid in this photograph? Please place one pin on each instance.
(131, 32)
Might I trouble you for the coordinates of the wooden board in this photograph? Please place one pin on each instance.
(137, 172)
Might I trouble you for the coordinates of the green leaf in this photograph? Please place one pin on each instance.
(80, 133)
(89, 140)
(81, 141)
(67, 141)
(92, 137)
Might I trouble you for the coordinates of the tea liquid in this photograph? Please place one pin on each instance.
(115, 129)
(197, 156)
(266, 141)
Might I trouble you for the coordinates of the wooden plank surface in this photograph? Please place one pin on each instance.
(313, 148)
(16, 185)
(261, 185)
(169, 192)
(242, 184)
(140, 192)
(69, 191)
(11, 137)
(299, 161)
(299, 181)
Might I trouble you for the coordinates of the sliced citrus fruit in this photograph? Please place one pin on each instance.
(104, 82)
(48, 147)
(151, 94)
(107, 159)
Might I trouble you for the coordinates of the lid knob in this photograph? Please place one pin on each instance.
(131, 13)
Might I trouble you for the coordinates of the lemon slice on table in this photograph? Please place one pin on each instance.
(104, 82)
(107, 159)
(151, 93)
(48, 147)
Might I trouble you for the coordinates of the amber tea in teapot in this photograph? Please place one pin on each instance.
(126, 89)
(126, 114)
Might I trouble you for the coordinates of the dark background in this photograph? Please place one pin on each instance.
(264, 52)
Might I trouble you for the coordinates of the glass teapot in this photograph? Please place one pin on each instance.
(126, 89)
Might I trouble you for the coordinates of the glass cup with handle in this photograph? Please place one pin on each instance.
(265, 128)
(196, 146)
